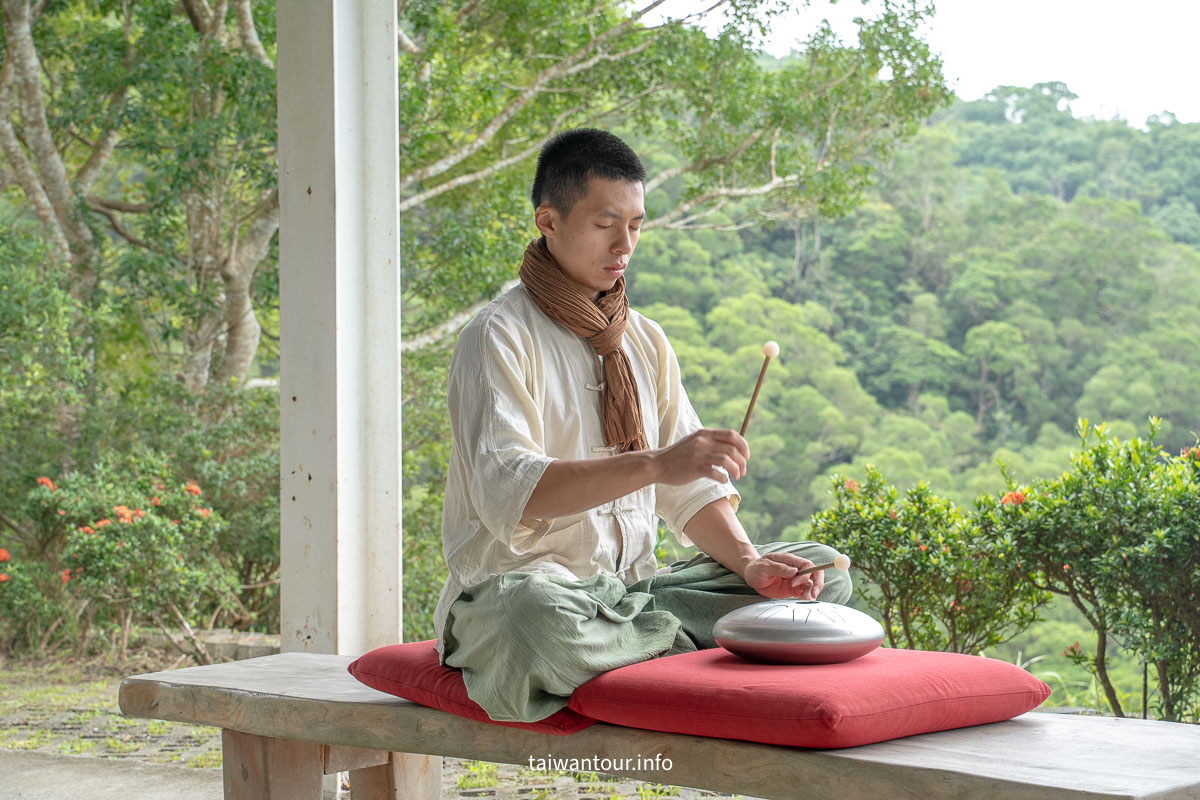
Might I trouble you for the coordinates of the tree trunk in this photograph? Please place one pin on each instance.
(1164, 688)
(1110, 691)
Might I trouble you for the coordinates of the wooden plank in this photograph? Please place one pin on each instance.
(262, 768)
(345, 759)
(1034, 756)
(404, 777)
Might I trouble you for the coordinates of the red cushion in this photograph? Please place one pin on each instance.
(883, 695)
(413, 671)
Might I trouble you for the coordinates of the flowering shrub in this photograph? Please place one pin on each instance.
(28, 613)
(1119, 534)
(935, 582)
(127, 540)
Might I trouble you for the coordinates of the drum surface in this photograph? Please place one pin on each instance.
(798, 632)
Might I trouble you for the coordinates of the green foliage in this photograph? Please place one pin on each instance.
(32, 606)
(1119, 534)
(935, 578)
(40, 371)
(129, 539)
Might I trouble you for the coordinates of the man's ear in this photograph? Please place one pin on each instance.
(547, 221)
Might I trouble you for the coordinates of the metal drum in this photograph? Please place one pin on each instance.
(798, 632)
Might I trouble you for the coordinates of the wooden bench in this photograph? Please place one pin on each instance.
(288, 719)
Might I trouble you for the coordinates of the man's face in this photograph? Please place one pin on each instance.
(594, 241)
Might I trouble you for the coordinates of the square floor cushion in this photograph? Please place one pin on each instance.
(885, 694)
(413, 671)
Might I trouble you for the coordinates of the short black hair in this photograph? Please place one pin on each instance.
(571, 158)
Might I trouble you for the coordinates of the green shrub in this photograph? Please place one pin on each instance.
(129, 539)
(1119, 534)
(935, 580)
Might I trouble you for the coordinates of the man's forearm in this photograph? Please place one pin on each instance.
(571, 487)
(715, 529)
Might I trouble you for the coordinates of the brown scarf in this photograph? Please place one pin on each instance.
(603, 324)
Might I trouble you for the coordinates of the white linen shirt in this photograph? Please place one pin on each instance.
(524, 391)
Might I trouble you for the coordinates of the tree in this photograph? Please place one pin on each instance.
(142, 137)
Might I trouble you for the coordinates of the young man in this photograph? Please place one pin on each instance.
(572, 432)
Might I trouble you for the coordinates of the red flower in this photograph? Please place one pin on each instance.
(49, 484)
(192, 488)
(1013, 499)
(4, 555)
(85, 529)
(851, 485)
(1073, 650)
(66, 575)
(155, 501)
(1066, 567)
(139, 513)
(891, 513)
(62, 513)
(158, 486)
(174, 522)
(923, 548)
(100, 523)
(123, 513)
(204, 512)
(3, 577)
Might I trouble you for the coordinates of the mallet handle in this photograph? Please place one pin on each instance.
(817, 568)
(754, 397)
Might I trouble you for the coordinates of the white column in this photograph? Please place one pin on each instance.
(340, 314)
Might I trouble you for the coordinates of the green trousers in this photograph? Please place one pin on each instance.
(525, 641)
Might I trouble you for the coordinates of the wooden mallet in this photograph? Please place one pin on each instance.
(842, 562)
(770, 350)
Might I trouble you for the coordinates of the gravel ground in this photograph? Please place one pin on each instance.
(71, 711)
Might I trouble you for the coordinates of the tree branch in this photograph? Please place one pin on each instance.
(252, 248)
(23, 172)
(17, 529)
(118, 226)
(433, 335)
(674, 172)
(468, 8)
(52, 172)
(489, 131)
(405, 43)
(667, 219)
(596, 59)
(217, 20)
(103, 149)
(507, 161)
(249, 33)
(119, 205)
(198, 13)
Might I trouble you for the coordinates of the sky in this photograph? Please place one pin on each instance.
(1123, 59)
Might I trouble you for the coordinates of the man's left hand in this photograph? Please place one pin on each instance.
(774, 576)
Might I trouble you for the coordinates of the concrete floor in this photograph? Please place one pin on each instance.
(26, 775)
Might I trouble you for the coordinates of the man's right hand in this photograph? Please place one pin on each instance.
(699, 455)
(569, 487)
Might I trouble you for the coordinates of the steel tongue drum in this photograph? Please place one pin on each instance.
(798, 632)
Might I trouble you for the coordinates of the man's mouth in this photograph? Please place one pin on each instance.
(615, 270)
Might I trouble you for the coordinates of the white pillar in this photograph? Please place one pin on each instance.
(339, 259)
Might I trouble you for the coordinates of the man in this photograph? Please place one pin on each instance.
(572, 431)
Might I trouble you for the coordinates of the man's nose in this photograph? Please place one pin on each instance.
(623, 243)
